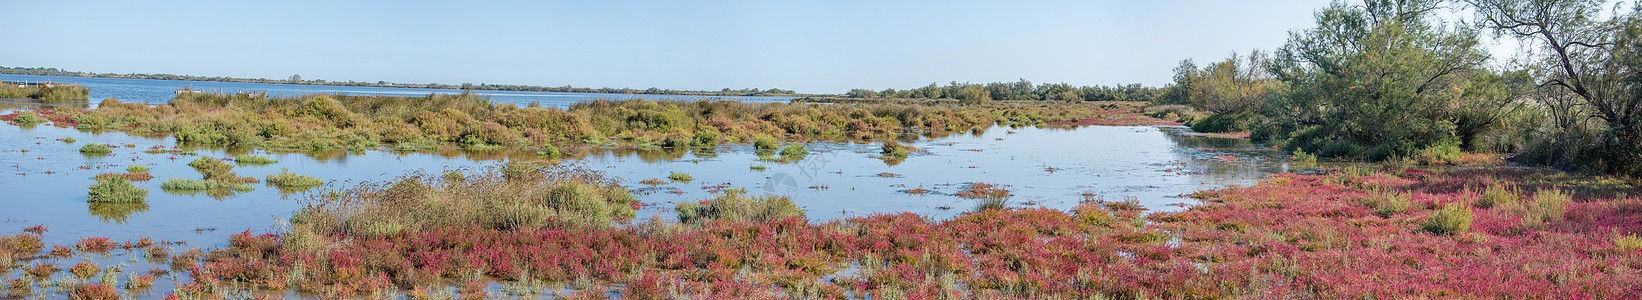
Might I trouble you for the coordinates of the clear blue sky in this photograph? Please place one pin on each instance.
(809, 46)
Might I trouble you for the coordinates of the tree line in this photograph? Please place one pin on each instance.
(297, 79)
(1017, 90)
(1387, 79)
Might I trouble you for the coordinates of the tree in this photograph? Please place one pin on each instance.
(296, 77)
(1232, 86)
(973, 94)
(1374, 81)
(1589, 71)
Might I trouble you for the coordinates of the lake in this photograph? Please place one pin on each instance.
(45, 179)
(161, 91)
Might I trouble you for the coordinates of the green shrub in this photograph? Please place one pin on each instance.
(892, 148)
(1302, 156)
(1452, 218)
(1629, 242)
(549, 151)
(1229, 122)
(69, 140)
(285, 179)
(736, 205)
(794, 150)
(253, 160)
(95, 149)
(200, 185)
(1439, 154)
(1386, 204)
(115, 190)
(216, 170)
(1497, 195)
(704, 139)
(680, 177)
(1547, 206)
(136, 169)
(765, 143)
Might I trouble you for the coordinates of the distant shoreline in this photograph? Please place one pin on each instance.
(465, 86)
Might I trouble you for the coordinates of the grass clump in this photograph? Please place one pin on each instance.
(115, 190)
(680, 177)
(286, 179)
(794, 151)
(1497, 195)
(69, 140)
(253, 160)
(1452, 218)
(765, 143)
(216, 170)
(136, 169)
(737, 206)
(1386, 204)
(95, 149)
(187, 184)
(1300, 155)
(1547, 206)
(894, 148)
(1629, 242)
(562, 197)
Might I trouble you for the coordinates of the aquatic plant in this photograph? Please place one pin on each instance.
(982, 190)
(216, 170)
(115, 190)
(69, 140)
(893, 148)
(794, 151)
(286, 179)
(677, 176)
(95, 149)
(201, 184)
(765, 143)
(253, 160)
(737, 206)
(136, 169)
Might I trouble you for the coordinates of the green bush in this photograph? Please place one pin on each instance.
(136, 169)
(216, 170)
(95, 149)
(1228, 122)
(115, 190)
(69, 140)
(1452, 218)
(1497, 195)
(892, 148)
(765, 143)
(201, 184)
(735, 205)
(1302, 156)
(680, 177)
(794, 150)
(286, 179)
(1547, 206)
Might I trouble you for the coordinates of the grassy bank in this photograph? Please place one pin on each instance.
(47, 93)
(318, 122)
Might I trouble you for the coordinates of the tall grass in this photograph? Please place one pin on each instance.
(115, 190)
(737, 206)
(286, 179)
(48, 93)
(550, 196)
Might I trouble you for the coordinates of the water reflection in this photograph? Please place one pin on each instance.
(115, 212)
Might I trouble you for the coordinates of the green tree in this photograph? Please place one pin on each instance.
(1374, 80)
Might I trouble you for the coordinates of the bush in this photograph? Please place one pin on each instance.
(95, 149)
(680, 177)
(115, 190)
(136, 169)
(737, 206)
(794, 150)
(1302, 156)
(1440, 154)
(200, 185)
(69, 140)
(286, 179)
(765, 143)
(894, 148)
(216, 170)
(1228, 122)
(1452, 218)
(1547, 206)
(1497, 195)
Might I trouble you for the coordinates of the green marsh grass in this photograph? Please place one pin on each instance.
(253, 160)
(737, 206)
(680, 177)
(115, 190)
(136, 169)
(286, 179)
(95, 149)
(556, 196)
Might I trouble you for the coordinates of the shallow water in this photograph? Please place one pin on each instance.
(153, 91)
(45, 179)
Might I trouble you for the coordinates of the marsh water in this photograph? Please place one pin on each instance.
(153, 91)
(45, 179)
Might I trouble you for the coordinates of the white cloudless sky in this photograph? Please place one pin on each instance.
(808, 46)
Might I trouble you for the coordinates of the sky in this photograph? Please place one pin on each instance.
(826, 46)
